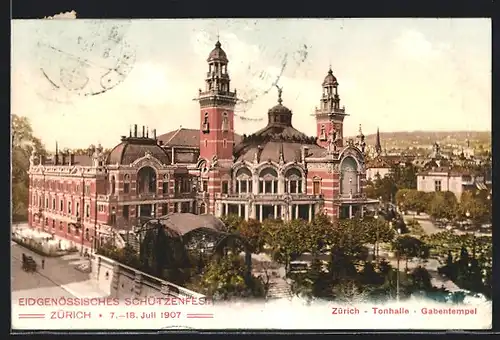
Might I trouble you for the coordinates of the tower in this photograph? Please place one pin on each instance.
(217, 104)
(330, 116)
(378, 146)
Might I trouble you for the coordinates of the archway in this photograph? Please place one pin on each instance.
(349, 174)
(146, 180)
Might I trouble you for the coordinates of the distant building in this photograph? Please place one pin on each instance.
(446, 179)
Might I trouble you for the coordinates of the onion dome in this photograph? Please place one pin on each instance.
(217, 54)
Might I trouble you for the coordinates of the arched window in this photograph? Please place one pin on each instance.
(113, 185)
(349, 176)
(126, 184)
(60, 225)
(206, 126)
(322, 133)
(203, 209)
(225, 122)
(146, 180)
(53, 224)
(243, 181)
(69, 208)
(268, 181)
(293, 181)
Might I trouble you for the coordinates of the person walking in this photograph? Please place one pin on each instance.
(43, 263)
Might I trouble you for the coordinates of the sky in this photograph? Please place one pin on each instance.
(394, 74)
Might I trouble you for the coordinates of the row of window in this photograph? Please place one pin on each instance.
(267, 186)
(148, 185)
(61, 187)
(70, 229)
(37, 202)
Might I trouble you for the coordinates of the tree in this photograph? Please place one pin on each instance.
(478, 206)
(443, 205)
(251, 232)
(23, 142)
(405, 177)
(376, 231)
(409, 247)
(385, 187)
(225, 280)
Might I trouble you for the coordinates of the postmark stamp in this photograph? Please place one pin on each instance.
(86, 60)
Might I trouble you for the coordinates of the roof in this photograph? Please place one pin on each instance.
(378, 162)
(330, 79)
(82, 160)
(133, 148)
(183, 223)
(453, 172)
(217, 54)
(186, 138)
(273, 140)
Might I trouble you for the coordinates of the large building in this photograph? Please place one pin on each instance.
(276, 172)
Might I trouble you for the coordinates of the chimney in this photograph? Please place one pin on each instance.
(56, 155)
(135, 130)
(71, 158)
(143, 131)
(63, 156)
(147, 133)
(154, 133)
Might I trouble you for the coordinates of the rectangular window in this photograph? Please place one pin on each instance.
(268, 187)
(87, 210)
(47, 203)
(77, 210)
(125, 211)
(225, 187)
(53, 204)
(164, 208)
(165, 188)
(316, 188)
(126, 188)
(87, 190)
(437, 185)
(205, 186)
(61, 205)
(243, 186)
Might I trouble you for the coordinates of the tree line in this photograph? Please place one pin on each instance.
(23, 143)
(475, 205)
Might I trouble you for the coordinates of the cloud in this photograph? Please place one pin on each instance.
(414, 45)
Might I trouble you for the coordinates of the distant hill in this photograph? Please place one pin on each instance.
(403, 139)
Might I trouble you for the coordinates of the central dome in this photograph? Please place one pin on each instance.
(280, 115)
(217, 54)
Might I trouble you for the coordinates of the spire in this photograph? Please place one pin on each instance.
(378, 145)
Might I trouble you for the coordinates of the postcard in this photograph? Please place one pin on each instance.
(251, 174)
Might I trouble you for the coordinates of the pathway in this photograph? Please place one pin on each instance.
(58, 272)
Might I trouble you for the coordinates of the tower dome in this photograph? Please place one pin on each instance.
(330, 79)
(217, 54)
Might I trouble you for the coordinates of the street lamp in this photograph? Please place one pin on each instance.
(397, 275)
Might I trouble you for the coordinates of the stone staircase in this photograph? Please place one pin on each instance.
(279, 289)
